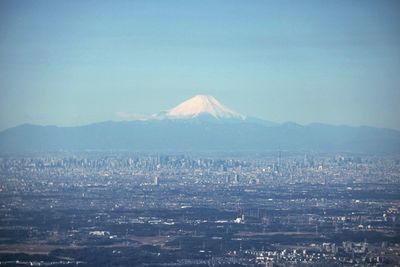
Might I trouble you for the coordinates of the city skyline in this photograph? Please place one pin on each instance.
(75, 63)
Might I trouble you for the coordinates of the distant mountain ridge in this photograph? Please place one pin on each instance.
(199, 135)
(202, 124)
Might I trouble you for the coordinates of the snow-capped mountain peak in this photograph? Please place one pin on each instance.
(202, 105)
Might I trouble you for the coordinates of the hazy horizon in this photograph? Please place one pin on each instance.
(125, 116)
(72, 63)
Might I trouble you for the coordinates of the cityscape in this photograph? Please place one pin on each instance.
(274, 209)
(170, 133)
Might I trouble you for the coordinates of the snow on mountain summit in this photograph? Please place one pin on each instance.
(202, 105)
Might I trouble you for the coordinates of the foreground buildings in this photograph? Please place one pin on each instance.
(276, 209)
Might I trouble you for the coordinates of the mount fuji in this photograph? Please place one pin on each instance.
(202, 105)
(206, 108)
(200, 123)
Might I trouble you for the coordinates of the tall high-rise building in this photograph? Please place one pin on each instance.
(236, 178)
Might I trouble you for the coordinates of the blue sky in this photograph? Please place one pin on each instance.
(78, 62)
